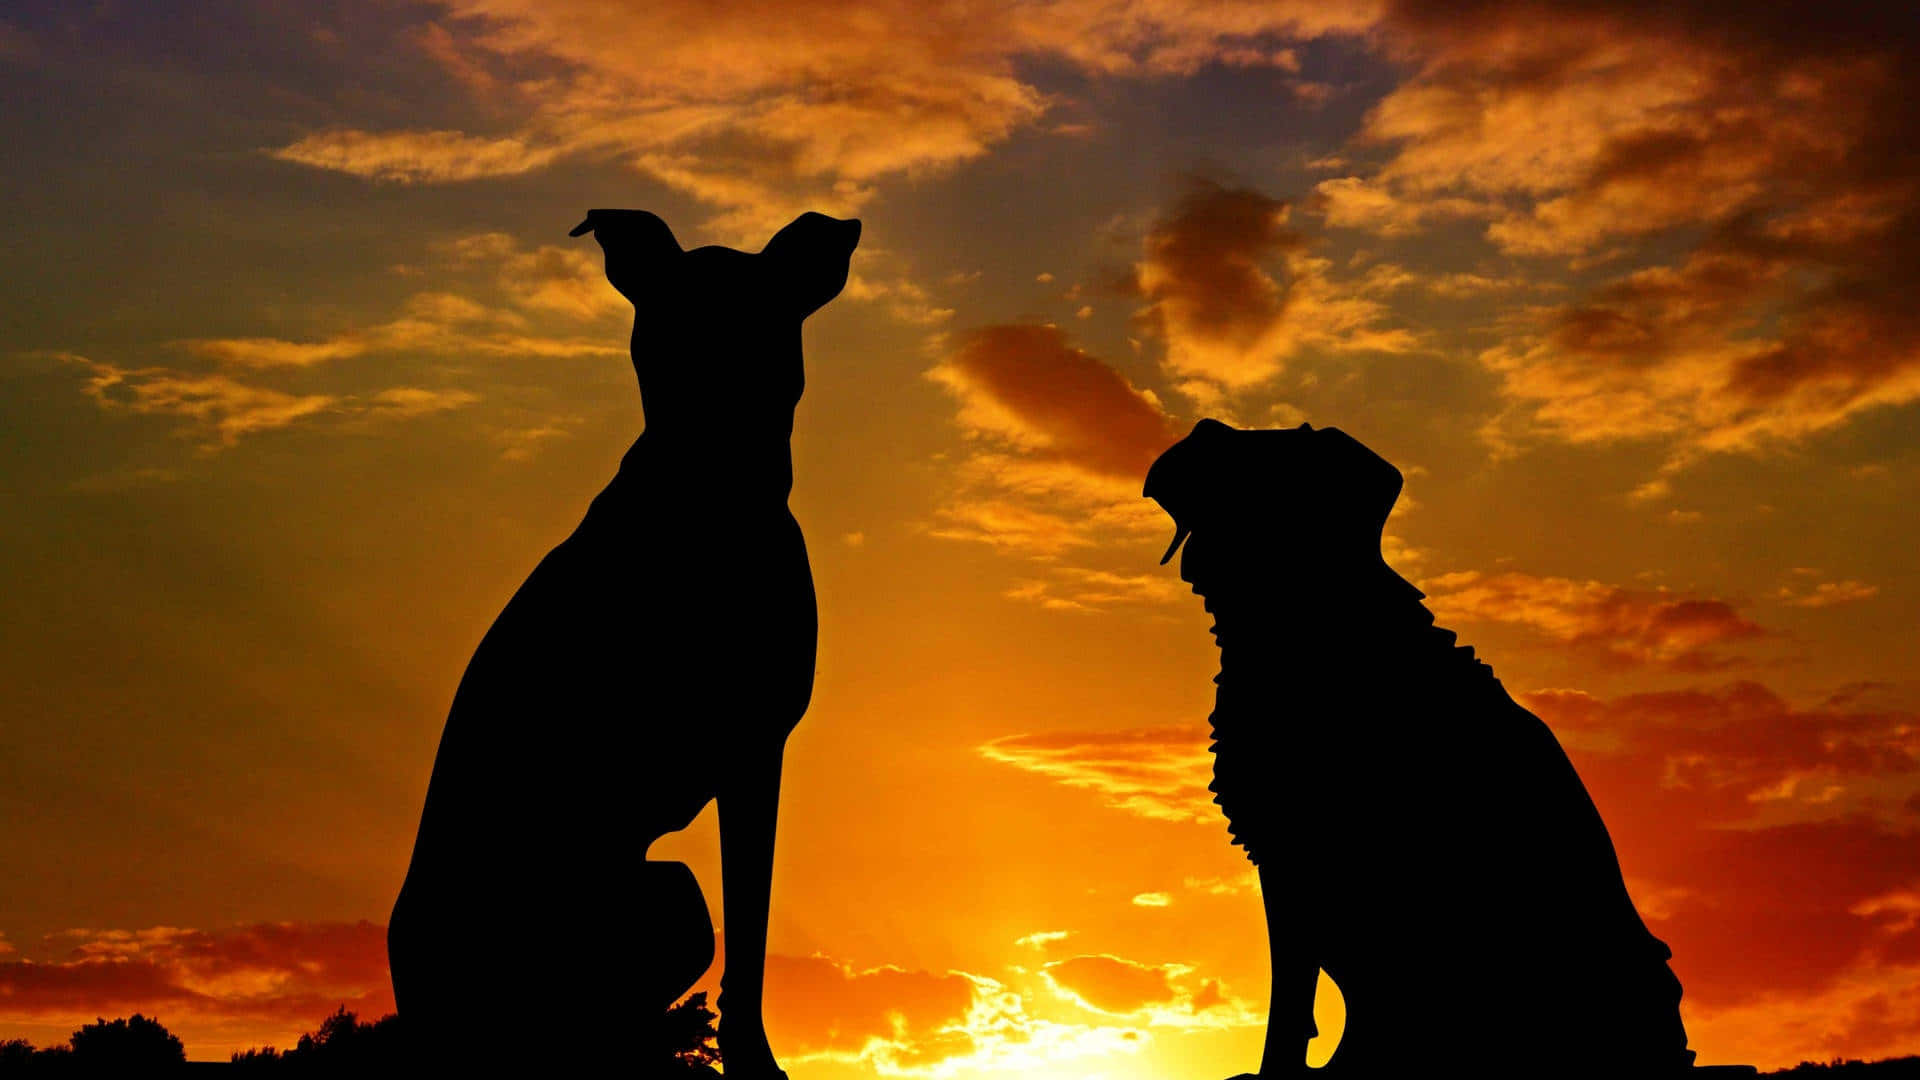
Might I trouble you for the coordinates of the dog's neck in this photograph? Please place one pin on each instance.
(721, 470)
(1307, 614)
(722, 448)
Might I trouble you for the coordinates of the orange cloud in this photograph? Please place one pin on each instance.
(1160, 996)
(1620, 625)
(1111, 984)
(1352, 202)
(826, 1007)
(1731, 350)
(765, 111)
(899, 1022)
(1769, 151)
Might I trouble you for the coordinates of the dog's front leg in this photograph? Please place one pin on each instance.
(749, 800)
(1291, 934)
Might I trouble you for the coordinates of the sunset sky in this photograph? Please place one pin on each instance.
(301, 375)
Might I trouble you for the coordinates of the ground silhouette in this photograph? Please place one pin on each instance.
(345, 1046)
(655, 661)
(1418, 835)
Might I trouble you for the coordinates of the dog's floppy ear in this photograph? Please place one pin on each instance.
(812, 255)
(640, 248)
(1363, 485)
(1185, 479)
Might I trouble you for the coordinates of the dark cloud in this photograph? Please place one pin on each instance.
(1232, 291)
(1031, 385)
(286, 973)
(1741, 753)
(1767, 845)
(1059, 445)
(1204, 273)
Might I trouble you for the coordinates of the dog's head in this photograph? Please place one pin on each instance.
(799, 270)
(1282, 503)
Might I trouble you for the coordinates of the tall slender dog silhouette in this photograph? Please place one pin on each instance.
(656, 660)
(1417, 833)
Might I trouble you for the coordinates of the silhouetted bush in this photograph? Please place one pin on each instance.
(134, 1044)
(683, 1043)
(1904, 1068)
(342, 1044)
(21, 1059)
(680, 1046)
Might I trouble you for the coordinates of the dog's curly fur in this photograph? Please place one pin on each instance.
(1419, 835)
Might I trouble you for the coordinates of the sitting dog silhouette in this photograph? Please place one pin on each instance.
(656, 660)
(1418, 835)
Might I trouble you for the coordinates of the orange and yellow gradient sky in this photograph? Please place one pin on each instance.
(302, 376)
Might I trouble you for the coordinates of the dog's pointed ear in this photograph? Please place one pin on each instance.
(640, 248)
(813, 254)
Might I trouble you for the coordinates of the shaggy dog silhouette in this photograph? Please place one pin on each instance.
(656, 660)
(1417, 833)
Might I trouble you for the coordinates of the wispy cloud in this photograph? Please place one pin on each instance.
(543, 302)
(1820, 594)
(217, 409)
(1077, 588)
(1159, 773)
(415, 157)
